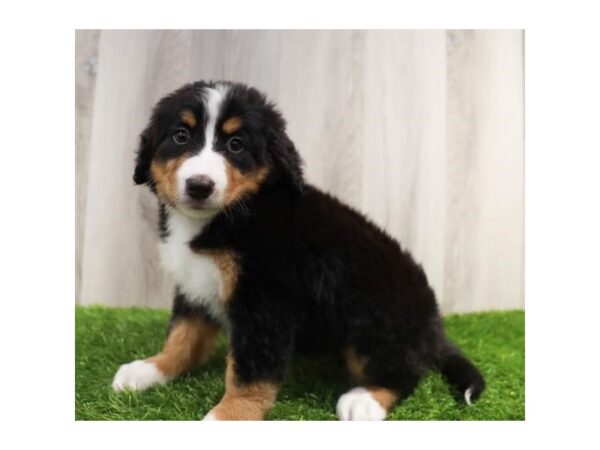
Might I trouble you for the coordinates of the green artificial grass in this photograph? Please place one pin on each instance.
(106, 338)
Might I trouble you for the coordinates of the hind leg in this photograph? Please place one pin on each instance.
(366, 403)
(380, 387)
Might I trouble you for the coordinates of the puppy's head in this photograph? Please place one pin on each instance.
(209, 145)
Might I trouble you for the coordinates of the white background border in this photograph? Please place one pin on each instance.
(562, 222)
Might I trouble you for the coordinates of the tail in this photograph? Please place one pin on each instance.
(461, 374)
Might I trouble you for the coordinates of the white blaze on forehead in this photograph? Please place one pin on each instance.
(213, 100)
(208, 162)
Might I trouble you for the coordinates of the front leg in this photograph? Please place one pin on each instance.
(256, 365)
(190, 340)
(249, 400)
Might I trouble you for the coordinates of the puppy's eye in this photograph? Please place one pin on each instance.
(235, 145)
(181, 136)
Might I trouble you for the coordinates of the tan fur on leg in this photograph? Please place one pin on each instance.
(385, 397)
(244, 401)
(356, 365)
(189, 343)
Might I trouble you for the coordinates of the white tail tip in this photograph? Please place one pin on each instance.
(468, 393)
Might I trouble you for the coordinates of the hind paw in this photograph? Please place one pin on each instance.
(359, 404)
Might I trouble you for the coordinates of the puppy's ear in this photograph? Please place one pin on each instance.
(143, 159)
(287, 160)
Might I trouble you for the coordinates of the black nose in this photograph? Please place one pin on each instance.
(199, 187)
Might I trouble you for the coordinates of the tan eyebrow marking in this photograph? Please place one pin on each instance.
(188, 118)
(231, 125)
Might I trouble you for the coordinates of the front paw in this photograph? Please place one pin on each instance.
(236, 410)
(211, 415)
(137, 376)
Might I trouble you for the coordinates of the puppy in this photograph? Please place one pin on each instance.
(280, 265)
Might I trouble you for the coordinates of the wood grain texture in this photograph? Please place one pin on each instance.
(421, 130)
(86, 60)
(247, 53)
(208, 54)
(405, 156)
(321, 96)
(485, 165)
(120, 257)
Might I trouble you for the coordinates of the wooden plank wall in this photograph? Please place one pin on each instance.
(422, 130)
(86, 59)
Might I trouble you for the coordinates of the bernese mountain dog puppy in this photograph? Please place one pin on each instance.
(280, 265)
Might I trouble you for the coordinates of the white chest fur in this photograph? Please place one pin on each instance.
(197, 276)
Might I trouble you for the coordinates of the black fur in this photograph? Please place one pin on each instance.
(184, 308)
(315, 274)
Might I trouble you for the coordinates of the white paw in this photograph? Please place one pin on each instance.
(358, 404)
(210, 416)
(137, 376)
